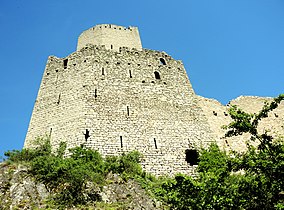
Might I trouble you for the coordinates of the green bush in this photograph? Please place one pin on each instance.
(126, 164)
(250, 180)
(67, 178)
(42, 148)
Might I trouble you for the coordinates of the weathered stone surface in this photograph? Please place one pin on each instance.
(113, 96)
(217, 115)
(119, 101)
(111, 36)
(128, 192)
(18, 190)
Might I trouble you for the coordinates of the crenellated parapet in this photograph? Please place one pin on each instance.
(111, 36)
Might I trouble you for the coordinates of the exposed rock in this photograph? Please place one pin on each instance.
(19, 190)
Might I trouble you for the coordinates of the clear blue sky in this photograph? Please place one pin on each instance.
(229, 47)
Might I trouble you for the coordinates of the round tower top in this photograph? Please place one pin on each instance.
(112, 36)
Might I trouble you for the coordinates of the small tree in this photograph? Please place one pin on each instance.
(264, 164)
(250, 180)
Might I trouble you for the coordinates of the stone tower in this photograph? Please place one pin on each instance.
(111, 36)
(114, 96)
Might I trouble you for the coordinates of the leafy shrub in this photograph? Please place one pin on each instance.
(42, 148)
(67, 178)
(126, 164)
(251, 180)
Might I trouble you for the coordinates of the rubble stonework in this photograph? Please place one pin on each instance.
(218, 116)
(114, 96)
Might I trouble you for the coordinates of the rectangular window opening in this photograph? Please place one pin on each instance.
(191, 156)
(65, 62)
(103, 71)
(96, 93)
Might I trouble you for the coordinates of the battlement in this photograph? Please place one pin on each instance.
(112, 36)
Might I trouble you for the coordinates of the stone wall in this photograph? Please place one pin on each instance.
(126, 100)
(112, 36)
(217, 115)
(113, 96)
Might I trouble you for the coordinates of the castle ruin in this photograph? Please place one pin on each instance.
(114, 96)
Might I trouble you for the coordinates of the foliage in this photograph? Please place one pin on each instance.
(126, 164)
(250, 180)
(68, 179)
(42, 148)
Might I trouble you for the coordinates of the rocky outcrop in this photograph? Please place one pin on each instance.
(19, 190)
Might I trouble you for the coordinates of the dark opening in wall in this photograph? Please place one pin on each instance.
(157, 75)
(87, 134)
(227, 142)
(50, 132)
(121, 145)
(103, 71)
(143, 81)
(96, 93)
(215, 113)
(162, 60)
(111, 47)
(58, 101)
(127, 110)
(155, 142)
(130, 74)
(191, 156)
(65, 62)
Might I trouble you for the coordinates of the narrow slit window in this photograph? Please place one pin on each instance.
(87, 134)
(191, 157)
(130, 75)
(96, 93)
(227, 142)
(103, 71)
(50, 132)
(65, 62)
(163, 62)
(157, 75)
(121, 144)
(155, 142)
(58, 101)
(111, 47)
(127, 110)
